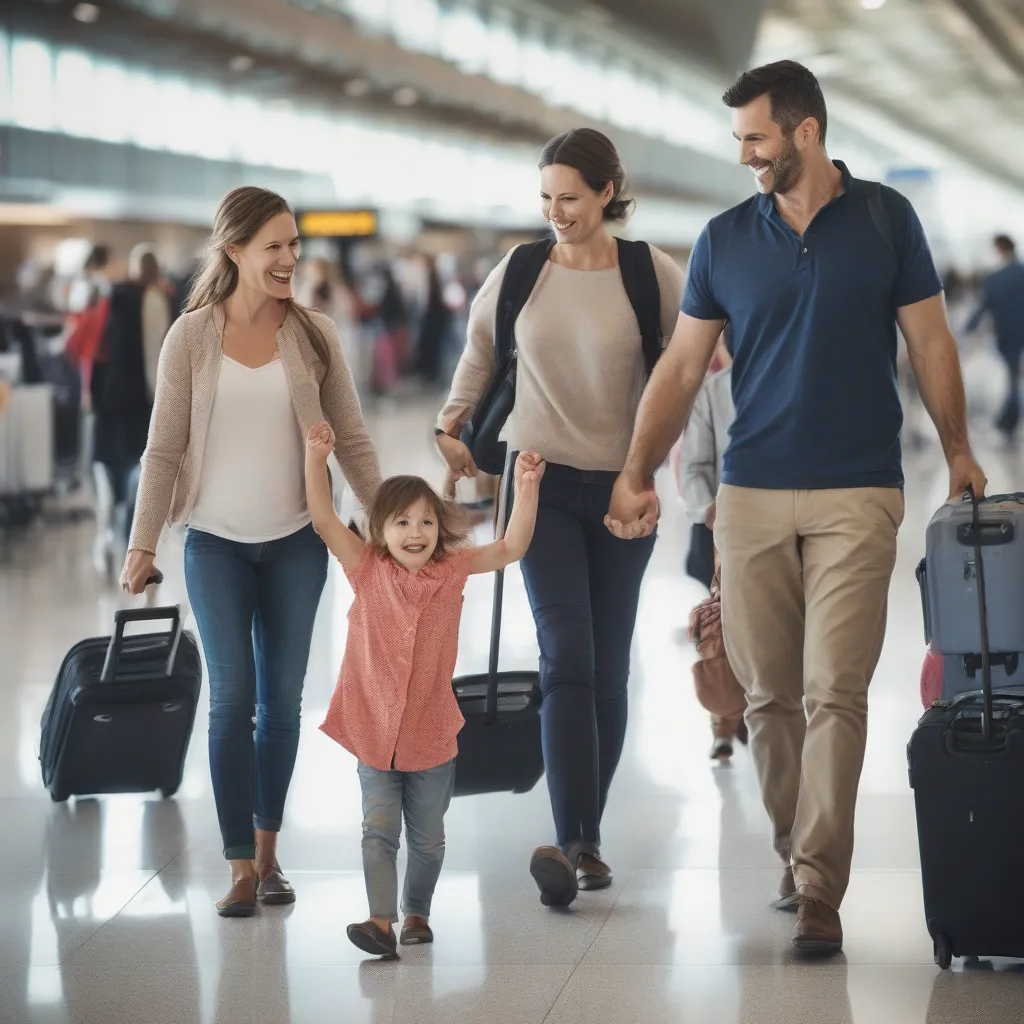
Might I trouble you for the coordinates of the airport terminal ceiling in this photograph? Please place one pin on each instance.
(913, 85)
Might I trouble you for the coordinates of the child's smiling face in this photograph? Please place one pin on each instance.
(411, 536)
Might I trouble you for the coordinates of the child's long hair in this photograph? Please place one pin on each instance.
(397, 494)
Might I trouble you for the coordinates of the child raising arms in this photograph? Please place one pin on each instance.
(394, 707)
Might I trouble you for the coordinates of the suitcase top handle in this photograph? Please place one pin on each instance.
(171, 613)
(986, 666)
(1015, 498)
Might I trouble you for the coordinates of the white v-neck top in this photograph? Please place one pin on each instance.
(252, 488)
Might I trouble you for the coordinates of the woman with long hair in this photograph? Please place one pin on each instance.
(581, 372)
(243, 374)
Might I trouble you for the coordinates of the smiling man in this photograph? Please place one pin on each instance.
(812, 275)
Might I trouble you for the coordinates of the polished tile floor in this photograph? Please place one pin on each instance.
(106, 905)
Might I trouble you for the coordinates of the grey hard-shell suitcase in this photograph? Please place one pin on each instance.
(961, 673)
(948, 576)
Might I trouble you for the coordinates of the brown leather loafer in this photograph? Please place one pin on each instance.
(239, 902)
(370, 939)
(554, 875)
(789, 898)
(416, 933)
(592, 873)
(818, 928)
(274, 889)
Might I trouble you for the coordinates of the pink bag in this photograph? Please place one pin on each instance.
(385, 362)
(717, 688)
(931, 678)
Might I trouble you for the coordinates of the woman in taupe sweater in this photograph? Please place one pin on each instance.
(581, 372)
(243, 374)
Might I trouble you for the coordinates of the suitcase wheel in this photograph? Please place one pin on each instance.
(943, 951)
(168, 793)
(58, 797)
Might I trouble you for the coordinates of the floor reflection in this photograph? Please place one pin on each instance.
(107, 904)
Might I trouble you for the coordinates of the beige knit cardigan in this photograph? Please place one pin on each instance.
(186, 385)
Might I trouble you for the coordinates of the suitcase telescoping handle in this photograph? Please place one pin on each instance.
(171, 613)
(504, 511)
(979, 573)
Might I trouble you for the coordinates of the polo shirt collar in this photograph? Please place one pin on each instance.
(766, 203)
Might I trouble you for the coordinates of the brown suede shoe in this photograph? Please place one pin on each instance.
(789, 898)
(818, 928)
(554, 875)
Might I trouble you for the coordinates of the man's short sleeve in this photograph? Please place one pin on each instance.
(917, 278)
(698, 299)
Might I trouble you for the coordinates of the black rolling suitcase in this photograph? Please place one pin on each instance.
(499, 746)
(120, 715)
(966, 761)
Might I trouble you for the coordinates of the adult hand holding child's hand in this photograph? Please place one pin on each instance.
(320, 440)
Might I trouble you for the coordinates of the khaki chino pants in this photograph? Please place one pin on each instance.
(805, 583)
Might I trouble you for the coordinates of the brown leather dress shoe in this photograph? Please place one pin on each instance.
(789, 898)
(592, 873)
(240, 901)
(818, 928)
(274, 889)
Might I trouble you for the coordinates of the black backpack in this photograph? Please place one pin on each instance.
(871, 192)
(636, 265)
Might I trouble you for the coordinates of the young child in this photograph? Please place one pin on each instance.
(394, 707)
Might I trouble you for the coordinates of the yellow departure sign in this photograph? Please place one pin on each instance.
(338, 223)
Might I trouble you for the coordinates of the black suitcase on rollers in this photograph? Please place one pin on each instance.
(966, 761)
(120, 715)
(499, 746)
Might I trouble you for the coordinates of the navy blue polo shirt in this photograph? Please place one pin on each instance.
(813, 328)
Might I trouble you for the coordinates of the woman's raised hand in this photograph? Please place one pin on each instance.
(457, 456)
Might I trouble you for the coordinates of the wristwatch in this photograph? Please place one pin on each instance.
(438, 431)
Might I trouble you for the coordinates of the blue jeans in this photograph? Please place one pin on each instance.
(255, 605)
(424, 798)
(584, 588)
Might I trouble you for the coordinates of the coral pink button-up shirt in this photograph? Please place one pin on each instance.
(394, 706)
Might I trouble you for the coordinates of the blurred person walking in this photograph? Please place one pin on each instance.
(324, 288)
(699, 473)
(243, 374)
(93, 283)
(811, 496)
(434, 327)
(122, 386)
(580, 374)
(1002, 298)
(390, 324)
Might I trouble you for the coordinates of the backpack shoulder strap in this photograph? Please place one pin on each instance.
(521, 274)
(636, 264)
(872, 194)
